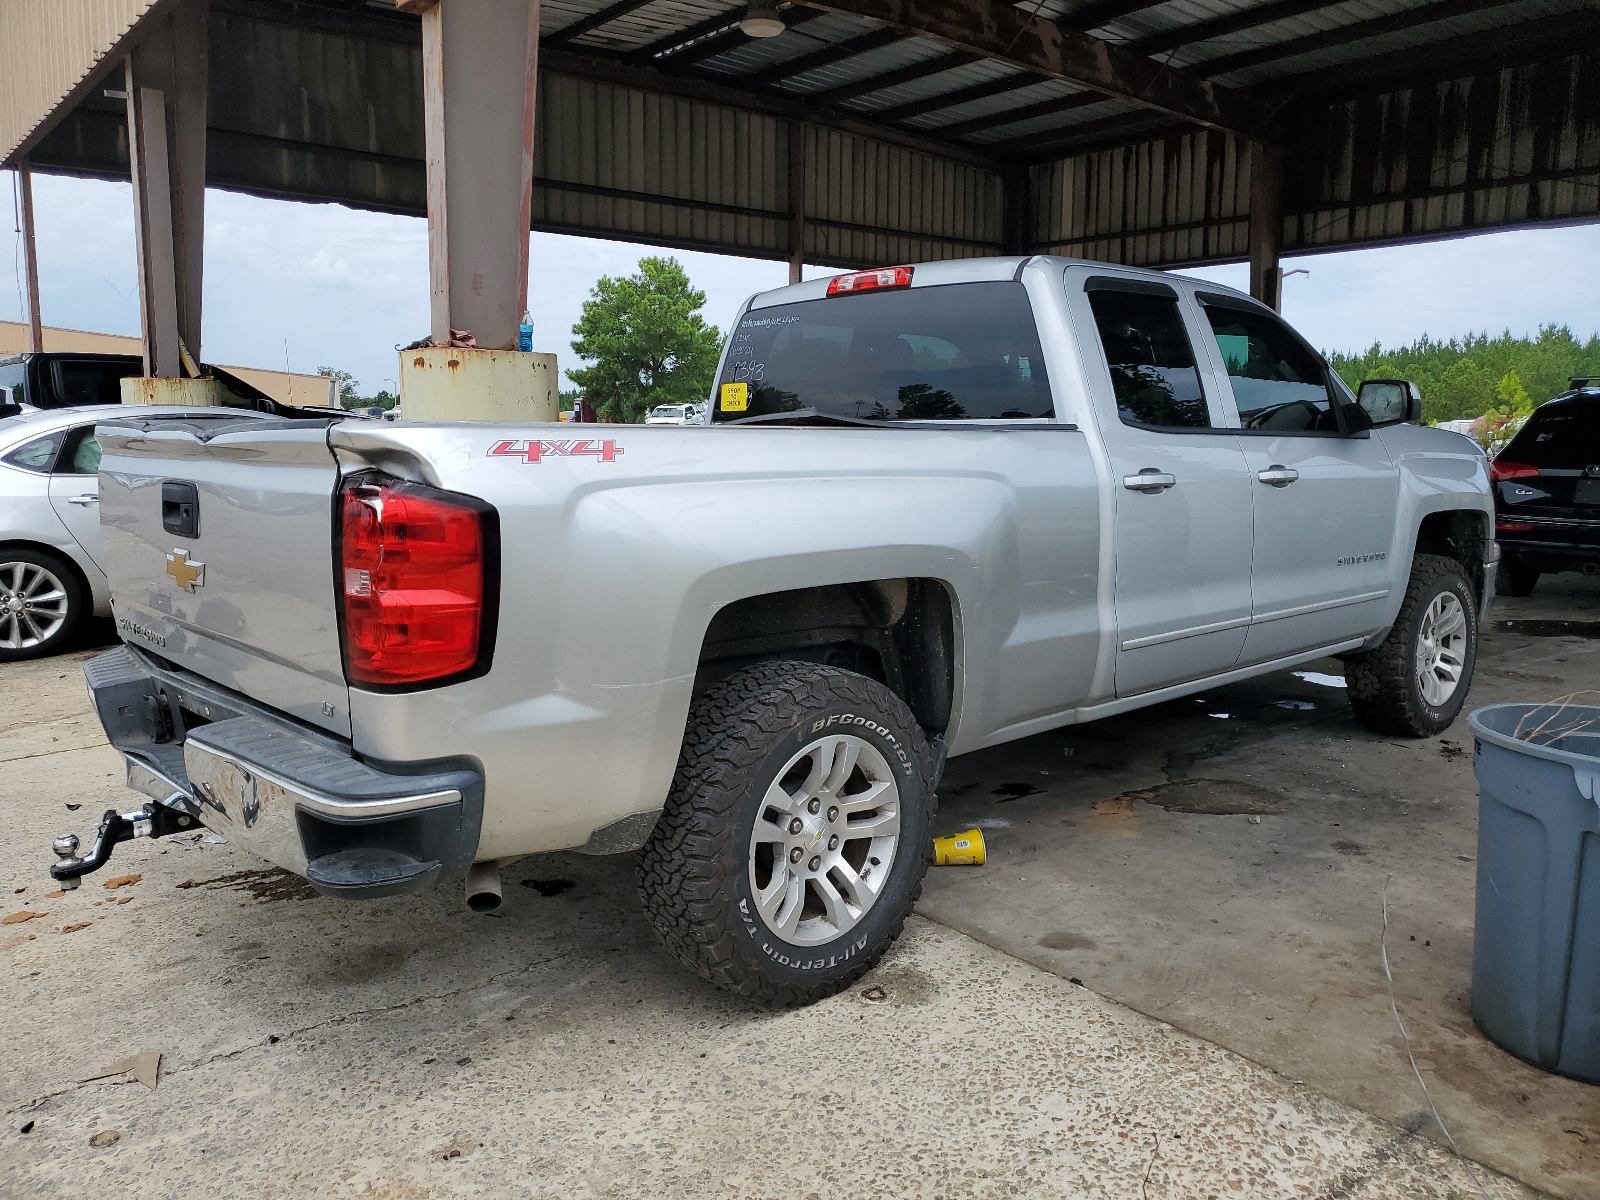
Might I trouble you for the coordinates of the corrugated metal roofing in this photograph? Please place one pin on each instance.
(312, 100)
(869, 65)
(47, 49)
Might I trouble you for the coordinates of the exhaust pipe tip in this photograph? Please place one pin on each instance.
(483, 887)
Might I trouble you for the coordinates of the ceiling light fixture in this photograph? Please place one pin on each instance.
(761, 19)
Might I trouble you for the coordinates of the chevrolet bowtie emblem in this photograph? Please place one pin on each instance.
(186, 573)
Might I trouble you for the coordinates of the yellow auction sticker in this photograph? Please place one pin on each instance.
(734, 397)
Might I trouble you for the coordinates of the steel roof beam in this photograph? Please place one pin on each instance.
(976, 91)
(829, 54)
(1412, 18)
(889, 79)
(1098, 16)
(592, 22)
(1010, 116)
(997, 30)
(1237, 22)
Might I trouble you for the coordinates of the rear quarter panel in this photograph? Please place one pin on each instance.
(612, 571)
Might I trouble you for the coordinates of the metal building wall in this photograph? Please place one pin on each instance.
(629, 164)
(1181, 199)
(1518, 146)
(48, 50)
(1510, 147)
(871, 204)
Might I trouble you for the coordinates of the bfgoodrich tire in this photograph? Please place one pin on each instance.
(795, 837)
(1416, 681)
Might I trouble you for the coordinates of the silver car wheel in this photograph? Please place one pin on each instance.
(824, 840)
(1441, 649)
(33, 605)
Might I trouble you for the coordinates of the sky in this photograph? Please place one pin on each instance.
(302, 286)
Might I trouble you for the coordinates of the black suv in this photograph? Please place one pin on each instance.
(1547, 491)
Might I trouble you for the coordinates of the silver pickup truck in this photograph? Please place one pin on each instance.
(929, 509)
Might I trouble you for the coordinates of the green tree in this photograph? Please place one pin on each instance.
(647, 341)
(350, 396)
(344, 383)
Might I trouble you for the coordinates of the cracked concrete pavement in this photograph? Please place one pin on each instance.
(409, 1048)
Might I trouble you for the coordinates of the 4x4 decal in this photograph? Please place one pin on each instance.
(533, 450)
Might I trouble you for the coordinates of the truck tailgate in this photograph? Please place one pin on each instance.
(241, 588)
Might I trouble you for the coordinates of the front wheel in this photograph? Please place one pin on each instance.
(793, 842)
(42, 603)
(1416, 681)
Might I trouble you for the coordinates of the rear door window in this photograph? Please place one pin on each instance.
(958, 351)
(1279, 383)
(1560, 437)
(1153, 371)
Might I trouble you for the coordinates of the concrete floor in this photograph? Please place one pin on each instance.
(408, 1049)
(1220, 864)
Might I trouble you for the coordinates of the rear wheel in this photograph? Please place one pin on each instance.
(1515, 578)
(1416, 681)
(42, 603)
(794, 840)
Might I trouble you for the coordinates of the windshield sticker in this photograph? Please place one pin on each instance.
(533, 450)
(734, 397)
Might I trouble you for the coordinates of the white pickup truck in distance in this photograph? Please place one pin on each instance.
(930, 509)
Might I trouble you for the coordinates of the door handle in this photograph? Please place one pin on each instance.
(86, 499)
(1278, 475)
(1149, 480)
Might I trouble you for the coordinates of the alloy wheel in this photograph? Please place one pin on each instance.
(33, 605)
(824, 840)
(1441, 649)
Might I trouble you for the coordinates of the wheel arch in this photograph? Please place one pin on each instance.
(903, 632)
(1461, 534)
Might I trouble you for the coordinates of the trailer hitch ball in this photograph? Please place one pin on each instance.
(66, 848)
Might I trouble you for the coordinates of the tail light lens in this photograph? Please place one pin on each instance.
(1500, 470)
(870, 281)
(416, 579)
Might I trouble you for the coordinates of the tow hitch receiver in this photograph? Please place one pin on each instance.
(153, 820)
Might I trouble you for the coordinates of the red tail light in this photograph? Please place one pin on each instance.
(1512, 527)
(415, 582)
(870, 281)
(1500, 470)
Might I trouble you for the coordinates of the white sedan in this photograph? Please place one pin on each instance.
(50, 577)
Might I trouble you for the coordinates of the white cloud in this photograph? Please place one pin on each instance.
(321, 285)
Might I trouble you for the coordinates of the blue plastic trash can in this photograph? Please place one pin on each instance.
(1536, 950)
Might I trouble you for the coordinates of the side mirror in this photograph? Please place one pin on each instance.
(1390, 401)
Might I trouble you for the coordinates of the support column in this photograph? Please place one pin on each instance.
(1266, 223)
(165, 80)
(30, 259)
(797, 201)
(479, 77)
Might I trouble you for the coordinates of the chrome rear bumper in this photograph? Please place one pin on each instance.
(297, 797)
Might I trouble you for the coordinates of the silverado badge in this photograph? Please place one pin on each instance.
(185, 572)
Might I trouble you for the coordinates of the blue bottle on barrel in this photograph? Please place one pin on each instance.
(525, 332)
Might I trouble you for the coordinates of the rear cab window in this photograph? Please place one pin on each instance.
(960, 351)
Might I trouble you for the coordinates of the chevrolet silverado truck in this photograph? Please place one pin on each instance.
(929, 509)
